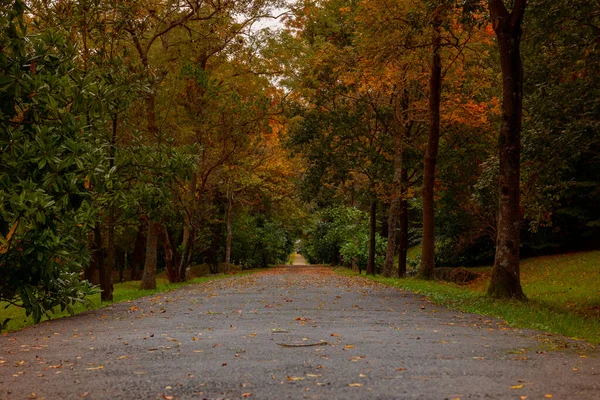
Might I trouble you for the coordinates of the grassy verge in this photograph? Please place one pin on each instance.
(563, 292)
(123, 292)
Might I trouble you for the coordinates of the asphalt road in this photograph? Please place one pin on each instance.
(291, 333)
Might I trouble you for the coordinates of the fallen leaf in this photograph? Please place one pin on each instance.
(295, 378)
(362, 375)
(313, 375)
(246, 394)
(94, 368)
(548, 396)
(400, 369)
(167, 397)
(335, 335)
(355, 384)
(517, 387)
(55, 366)
(523, 397)
(348, 346)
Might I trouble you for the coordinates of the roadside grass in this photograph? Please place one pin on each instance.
(123, 292)
(563, 293)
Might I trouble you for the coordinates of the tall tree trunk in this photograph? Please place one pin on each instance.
(107, 268)
(506, 281)
(149, 275)
(229, 231)
(172, 272)
(138, 253)
(403, 234)
(89, 273)
(388, 267)
(372, 237)
(188, 230)
(120, 261)
(427, 268)
(98, 254)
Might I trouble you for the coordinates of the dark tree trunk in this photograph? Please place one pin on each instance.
(107, 268)
(403, 234)
(505, 281)
(188, 230)
(98, 255)
(372, 233)
(120, 261)
(149, 275)
(335, 261)
(229, 232)
(138, 254)
(388, 267)
(427, 268)
(172, 272)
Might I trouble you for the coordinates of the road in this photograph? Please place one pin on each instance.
(295, 332)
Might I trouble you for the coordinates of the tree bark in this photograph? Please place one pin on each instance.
(388, 267)
(172, 271)
(149, 275)
(138, 254)
(107, 267)
(229, 231)
(372, 237)
(403, 234)
(505, 281)
(427, 268)
(98, 254)
(188, 230)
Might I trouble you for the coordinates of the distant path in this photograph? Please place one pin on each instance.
(299, 259)
(290, 333)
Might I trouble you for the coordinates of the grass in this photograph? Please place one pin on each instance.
(123, 292)
(563, 293)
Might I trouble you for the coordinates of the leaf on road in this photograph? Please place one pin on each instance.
(295, 378)
(94, 368)
(517, 387)
(355, 384)
(348, 346)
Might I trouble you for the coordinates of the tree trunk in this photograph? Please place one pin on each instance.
(505, 281)
(388, 267)
(372, 237)
(229, 232)
(427, 268)
(138, 254)
(89, 273)
(120, 261)
(188, 230)
(107, 268)
(98, 254)
(172, 272)
(149, 275)
(403, 234)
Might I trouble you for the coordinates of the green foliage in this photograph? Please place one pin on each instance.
(345, 231)
(45, 154)
(259, 241)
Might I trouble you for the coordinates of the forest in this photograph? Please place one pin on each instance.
(141, 137)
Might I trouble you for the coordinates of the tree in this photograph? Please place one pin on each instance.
(505, 281)
(45, 155)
